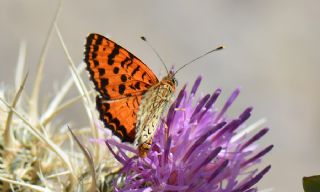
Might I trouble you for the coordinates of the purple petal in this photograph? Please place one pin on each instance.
(209, 158)
(199, 107)
(176, 104)
(218, 171)
(196, 85)
(245, 114)
(230, 126)
(209, 104)
(255, 138)
(257, 156)
(251, 190)
(175, 188)
(202, 139)
(121, 145)
(253, 181)
(231, 99)
(242, 118)
(167, 149)
(121, 160)
(213, 98)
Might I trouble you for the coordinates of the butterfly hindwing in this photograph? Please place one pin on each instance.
(120, 79)
(118, 118)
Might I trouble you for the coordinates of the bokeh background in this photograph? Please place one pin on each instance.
(272, 53)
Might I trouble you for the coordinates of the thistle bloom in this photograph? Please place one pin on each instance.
(196, 148)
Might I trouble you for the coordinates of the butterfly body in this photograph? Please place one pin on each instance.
(130, 98)
(152, 106)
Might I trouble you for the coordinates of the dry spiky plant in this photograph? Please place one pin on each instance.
(37, 154)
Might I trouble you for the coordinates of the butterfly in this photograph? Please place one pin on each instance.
(130, 98)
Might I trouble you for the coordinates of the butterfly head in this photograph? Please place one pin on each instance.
(172, 75)
(170, 79)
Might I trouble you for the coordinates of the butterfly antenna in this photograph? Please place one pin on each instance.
(193, 60)
(144, 39)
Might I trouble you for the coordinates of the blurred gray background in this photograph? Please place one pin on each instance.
(272, 53)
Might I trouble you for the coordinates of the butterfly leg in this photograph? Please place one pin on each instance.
(144, 148)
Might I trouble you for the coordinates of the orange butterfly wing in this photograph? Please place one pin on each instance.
(121, 79)
(120, 116)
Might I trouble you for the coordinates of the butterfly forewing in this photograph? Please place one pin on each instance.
(116, 73)
(120, 79)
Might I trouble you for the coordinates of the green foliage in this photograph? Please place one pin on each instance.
(311, 184)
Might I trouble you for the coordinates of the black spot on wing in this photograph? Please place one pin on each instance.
(113, 54)
(99, 39)
(96, 63)
(124, 61)
(123, 78)
(101, 71)
(122, 88)
(104, 82)
(137, 85)
(135, 70)
(93, 55)
(143, 74)
(116, 70)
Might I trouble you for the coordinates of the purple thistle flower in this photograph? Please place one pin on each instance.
(196, 148)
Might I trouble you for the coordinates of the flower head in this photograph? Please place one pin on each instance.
(196, 148)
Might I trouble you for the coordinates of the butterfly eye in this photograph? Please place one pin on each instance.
(175, 82)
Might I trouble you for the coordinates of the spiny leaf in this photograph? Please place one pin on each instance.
(88, 156)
